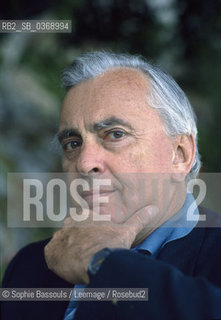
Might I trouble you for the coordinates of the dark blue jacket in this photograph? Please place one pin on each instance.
(184, 281)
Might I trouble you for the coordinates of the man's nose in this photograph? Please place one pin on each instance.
(91, 159)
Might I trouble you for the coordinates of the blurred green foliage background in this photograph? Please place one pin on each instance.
(181, 36)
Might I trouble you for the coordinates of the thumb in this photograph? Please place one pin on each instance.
(143, 218)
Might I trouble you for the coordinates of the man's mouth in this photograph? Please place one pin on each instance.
(93, 194)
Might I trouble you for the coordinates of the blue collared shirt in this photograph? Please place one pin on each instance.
(175, 228)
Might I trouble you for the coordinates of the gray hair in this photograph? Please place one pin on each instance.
(164, 95)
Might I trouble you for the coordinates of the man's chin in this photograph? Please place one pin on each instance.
(108, 213)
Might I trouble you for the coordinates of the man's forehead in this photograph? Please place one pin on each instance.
(97, 103)
(124, 75)
(113, 80)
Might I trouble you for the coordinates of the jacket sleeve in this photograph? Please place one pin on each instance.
(171, 294)
(28, 269)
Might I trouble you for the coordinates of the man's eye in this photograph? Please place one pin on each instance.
(116, 134)
(71, 145)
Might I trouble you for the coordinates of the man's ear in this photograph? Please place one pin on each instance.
(184, 149)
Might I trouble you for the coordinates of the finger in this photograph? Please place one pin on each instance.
(68, 222)
(143, 218)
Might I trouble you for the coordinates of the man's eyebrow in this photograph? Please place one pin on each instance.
(111, 121)
(67, 133)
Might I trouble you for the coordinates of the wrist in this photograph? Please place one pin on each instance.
(98, 259)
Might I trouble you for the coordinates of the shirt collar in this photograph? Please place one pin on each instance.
(175, 228)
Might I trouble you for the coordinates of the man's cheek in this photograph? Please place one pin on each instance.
(65, 164)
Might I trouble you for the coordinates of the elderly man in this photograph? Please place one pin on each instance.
(126, 122)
